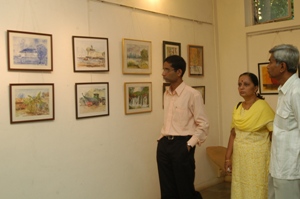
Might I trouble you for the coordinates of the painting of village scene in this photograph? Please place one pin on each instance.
(31, 102)
(29, 51)
(137, 57)
(138, 97)
(92, 99)
(90, 54)
(195, 55)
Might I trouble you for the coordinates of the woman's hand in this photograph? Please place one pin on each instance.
(228, 166)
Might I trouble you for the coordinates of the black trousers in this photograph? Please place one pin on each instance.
(176, 168)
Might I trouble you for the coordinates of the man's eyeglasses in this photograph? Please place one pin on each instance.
(167, 70)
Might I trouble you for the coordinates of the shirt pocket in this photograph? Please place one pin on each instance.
(282, 119)
(181, 116)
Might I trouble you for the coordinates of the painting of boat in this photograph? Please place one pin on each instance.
(90, 54)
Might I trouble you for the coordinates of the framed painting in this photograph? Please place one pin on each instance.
(137, 56)
(90, 54)
(31, 102)
(267, 85)
(195, 60)
(138, 97)
(165, 87)
(201, 89)
(29, 51)
(92, 99)
(171, 48)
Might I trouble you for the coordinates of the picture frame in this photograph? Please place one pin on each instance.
(136, 56)
(267, 85)
(195, 60)
(166, 85)
(138, 97)
(171, 48)
(29, 51)
(201, 89)
(92, 99)
(31, 102)
(90, 54)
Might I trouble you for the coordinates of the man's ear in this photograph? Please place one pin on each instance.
(283, 67)
(179, 72)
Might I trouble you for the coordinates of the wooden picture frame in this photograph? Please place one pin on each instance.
(31, 102)
(195, 60)
(136, 56)
(29, 51)
(92, 99)
(201, 89)
(267, 85)
(171, 48)
(138, 97)
(90, 54)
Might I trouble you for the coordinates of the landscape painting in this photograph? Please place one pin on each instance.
(90, 54)
(29, 51)
(137, 58)
(92, 99)
(31, 102)
(138, 97)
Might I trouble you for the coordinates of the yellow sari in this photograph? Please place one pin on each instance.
(251, 151)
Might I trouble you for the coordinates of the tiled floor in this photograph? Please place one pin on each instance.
(219, 191)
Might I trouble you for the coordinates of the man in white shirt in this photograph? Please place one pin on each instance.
(284, 178)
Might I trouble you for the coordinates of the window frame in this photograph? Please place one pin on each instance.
(290, 15)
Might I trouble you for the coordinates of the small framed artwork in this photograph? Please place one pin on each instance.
(201, 89)
(31, 102)
(171, 48)
(92, 99)
(137, 56)
(267, 85)
(195, 60)
(138, 97)
(165, 87)
(29, 51)
(90, 54)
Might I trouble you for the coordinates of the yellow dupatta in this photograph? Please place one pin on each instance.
(259, 114)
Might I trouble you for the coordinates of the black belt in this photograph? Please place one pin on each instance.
(177, 137)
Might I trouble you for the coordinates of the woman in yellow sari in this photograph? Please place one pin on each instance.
(249, 143)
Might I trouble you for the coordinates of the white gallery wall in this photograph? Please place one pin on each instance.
(103, 157)
(241, 47)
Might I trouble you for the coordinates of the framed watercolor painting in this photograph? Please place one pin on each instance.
(29, 51)
(267, 85)
(92, 99)
(195, 60)
(137, 56)
(201, 89)
(90, 54)
(138, 97)
(31, 102)
(171, 48)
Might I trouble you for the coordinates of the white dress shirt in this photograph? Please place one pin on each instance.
(285, 150)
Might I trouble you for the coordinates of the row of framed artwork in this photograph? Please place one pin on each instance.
(35, 102)
(34, 51)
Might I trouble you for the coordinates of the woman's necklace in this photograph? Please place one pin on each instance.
(248, 103)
